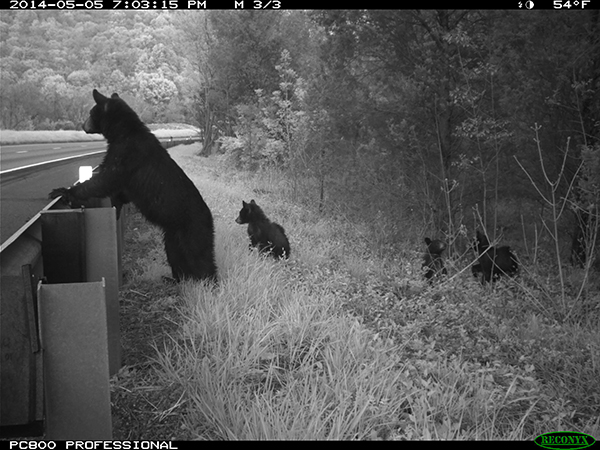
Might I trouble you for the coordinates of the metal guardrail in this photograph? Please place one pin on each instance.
(21, 269)
(22, 372)
(9, 173)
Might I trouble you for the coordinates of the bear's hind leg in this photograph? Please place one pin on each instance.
(175, 256)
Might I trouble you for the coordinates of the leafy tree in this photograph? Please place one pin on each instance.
(205, 100)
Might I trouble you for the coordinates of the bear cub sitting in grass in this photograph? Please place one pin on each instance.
(268, 237)
(433, 264)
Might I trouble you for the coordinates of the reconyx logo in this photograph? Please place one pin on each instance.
(564, 440)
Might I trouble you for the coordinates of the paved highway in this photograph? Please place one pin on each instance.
(24, 193)
(12, 156)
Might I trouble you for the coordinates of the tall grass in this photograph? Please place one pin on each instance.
(331, 345)
(260, 359)
(261, 356)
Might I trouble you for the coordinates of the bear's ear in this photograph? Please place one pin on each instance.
(98, 97)
(252, 202)
(115, 95)
(427, 241)
(244, 204)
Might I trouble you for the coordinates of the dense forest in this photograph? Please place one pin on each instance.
(441, 121)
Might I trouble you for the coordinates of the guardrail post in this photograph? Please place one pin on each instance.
(75, 353)
(21, 375)
(63, 246)
(83, 246)
(79, 321)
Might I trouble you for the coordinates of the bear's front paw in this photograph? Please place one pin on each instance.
(60, 192)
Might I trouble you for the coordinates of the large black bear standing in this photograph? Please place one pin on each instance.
(137, 168)
(267, 236)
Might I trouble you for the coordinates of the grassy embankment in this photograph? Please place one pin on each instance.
(335, 343)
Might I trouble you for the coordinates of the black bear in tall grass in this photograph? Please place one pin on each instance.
(433, 264)
(267, 236)
(137, 168)
(493, 262)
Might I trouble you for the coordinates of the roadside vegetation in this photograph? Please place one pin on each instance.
(339, 342)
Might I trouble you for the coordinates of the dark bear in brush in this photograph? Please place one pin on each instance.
(433, 264)
(137, 169)
(493, 262)
(269, 237)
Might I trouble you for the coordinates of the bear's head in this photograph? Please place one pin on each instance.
(250, 212)
(435, 247)
(101, 112)
(481, 243)
(245, 214)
